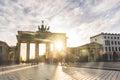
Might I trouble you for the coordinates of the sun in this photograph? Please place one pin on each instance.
(58, 45)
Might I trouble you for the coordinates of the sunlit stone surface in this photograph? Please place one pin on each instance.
(35, 72)
(55, 72)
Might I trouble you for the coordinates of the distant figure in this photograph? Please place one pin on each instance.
(115, 56)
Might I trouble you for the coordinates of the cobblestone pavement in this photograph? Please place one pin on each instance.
(91, 74)
(35, 72)
(53, 72)
(5, 68)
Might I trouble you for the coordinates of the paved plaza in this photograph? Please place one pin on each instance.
(35, 72)
(55, 72)
(91, 74)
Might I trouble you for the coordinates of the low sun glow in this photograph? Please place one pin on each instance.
(32, 50)
(23, 51)
(42, 49)
(51, 47)
(58, 45)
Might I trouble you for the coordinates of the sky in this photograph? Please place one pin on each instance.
(79, 19)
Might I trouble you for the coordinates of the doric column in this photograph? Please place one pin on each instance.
(18, 52)
(54, 49)
(28, 52)
(47, 50)
(36, 50)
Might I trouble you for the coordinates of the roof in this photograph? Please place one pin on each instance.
(4, 43)
(90, 44)
(26, 32)
(34, 33)
(105, 34)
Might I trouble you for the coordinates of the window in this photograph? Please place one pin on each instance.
(118, 43)
(109, 48)
(0, 49)
(119, 48)
(117, 37)
(114, 37)
(107, 42)
(115, 43)
(116, 48)
(112, 42)
(112, 48)
(108, 37)
(105, 37)
(111, 37)
(105, 48)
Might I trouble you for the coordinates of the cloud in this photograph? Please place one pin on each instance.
(80, 19)
(105, 5)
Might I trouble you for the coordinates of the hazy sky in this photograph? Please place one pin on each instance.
(80, 19)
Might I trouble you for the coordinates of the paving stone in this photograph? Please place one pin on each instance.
(40, 72)
(92, 74)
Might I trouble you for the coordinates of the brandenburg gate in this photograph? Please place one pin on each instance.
(44, 36)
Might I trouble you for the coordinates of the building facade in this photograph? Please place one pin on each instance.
(42, 36)
(71, 54)
(4, 51)
(110, 43)
(12, 54)
(89, 52)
